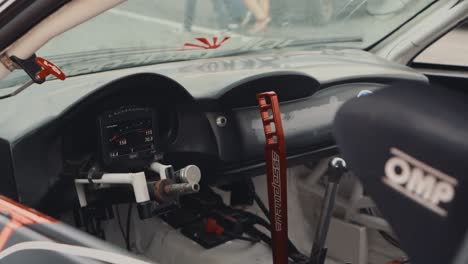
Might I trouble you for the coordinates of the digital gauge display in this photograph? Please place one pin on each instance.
(128, 135)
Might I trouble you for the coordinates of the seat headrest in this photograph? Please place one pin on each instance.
(408, 144)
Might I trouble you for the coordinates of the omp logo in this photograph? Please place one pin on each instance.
(276, 184)
(425, 185)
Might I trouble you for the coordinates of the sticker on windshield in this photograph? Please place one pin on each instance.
(206, 44)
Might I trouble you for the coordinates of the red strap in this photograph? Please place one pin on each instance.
(275, 152)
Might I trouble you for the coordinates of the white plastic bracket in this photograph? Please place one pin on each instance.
(137, 180)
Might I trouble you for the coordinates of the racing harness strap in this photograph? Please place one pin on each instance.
(19, 216)
(275, 152)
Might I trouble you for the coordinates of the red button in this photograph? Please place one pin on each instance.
(212, 227)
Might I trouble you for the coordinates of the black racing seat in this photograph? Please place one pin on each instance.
(408, 144)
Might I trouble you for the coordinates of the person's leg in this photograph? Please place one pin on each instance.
(189, 14)
(236, 10)
(220, 13)
(265, 5)
(256, 9)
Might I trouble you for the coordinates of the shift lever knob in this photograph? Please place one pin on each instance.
(336, 169)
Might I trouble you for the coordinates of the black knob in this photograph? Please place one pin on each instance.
(336, 169)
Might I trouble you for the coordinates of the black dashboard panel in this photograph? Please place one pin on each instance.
(7, 180)
(287, 85)
(197, 117)
(306, 124)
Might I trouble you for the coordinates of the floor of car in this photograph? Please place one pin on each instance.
(161, 243)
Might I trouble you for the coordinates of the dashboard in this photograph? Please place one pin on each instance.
(194, 112)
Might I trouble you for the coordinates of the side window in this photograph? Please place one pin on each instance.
(448, 53)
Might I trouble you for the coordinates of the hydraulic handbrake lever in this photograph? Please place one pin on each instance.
(275, 153)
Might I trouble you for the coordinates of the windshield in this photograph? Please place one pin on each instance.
(143, 32)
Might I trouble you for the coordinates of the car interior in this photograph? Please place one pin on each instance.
(166, 162)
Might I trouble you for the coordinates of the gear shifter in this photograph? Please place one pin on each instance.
(336, 169)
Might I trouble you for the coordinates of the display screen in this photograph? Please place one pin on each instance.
(130, 137)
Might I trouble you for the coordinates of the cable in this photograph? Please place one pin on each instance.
(254, 232)
(6, 96)
(17, 91)
(292, 248)
(125, 234)
(386, 236)
(261, 205)
(129, 218)
(117, 212)
(390, 239)
(249, 239)
(295, 255)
